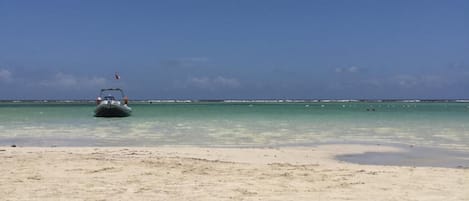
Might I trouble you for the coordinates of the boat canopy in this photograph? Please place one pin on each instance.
(112, 89)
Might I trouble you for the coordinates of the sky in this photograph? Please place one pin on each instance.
(243, 49)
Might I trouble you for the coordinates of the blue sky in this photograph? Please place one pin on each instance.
(235, 49)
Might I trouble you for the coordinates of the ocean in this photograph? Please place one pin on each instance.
(431, 124)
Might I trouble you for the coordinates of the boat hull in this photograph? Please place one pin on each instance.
(112, 110)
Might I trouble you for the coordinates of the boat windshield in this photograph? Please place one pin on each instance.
(109, 98)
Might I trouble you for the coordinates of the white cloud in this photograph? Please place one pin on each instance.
(352, 69)
(402, 81)
(5, 75)
(200, 82)
(62, 80)
(212, 83)
(408, 81)
(226, 82)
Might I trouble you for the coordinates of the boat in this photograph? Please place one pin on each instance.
(109, 106)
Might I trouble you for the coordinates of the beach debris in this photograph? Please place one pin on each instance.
(246, 192)
(35, 177)
(102, 170)
(2, 149)
(13, 145)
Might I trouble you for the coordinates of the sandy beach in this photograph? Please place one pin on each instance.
(195, 173)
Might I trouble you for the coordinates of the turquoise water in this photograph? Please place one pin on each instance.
(443, 125)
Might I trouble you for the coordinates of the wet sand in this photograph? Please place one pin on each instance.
(194, 173)
(412, 156)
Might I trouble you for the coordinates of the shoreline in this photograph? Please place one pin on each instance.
(201, 173)
(401, 154)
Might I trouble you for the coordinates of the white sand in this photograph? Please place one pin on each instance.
(190, 173)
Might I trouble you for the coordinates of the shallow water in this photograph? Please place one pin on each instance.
(412, 156)
(442, 125)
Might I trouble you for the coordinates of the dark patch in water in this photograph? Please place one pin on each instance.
(414, 156)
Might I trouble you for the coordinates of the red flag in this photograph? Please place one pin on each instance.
(117, 76)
